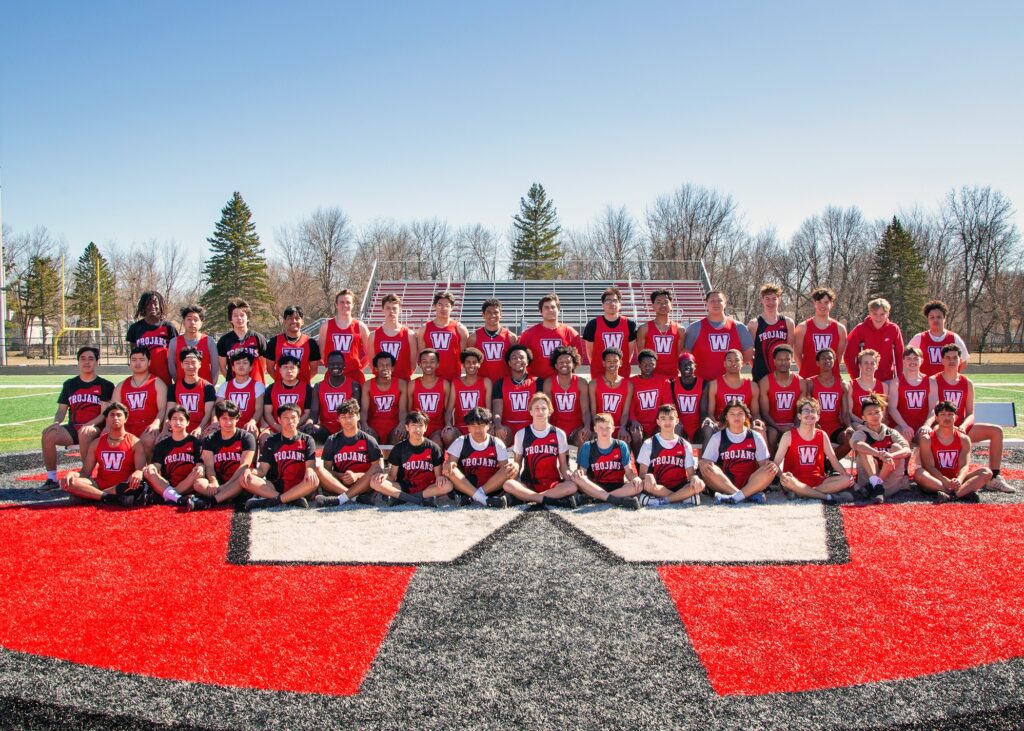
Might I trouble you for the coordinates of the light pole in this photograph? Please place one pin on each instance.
(3, 287)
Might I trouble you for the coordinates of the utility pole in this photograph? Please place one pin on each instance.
(3, 286)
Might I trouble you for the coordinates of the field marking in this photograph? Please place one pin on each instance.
(1001, 386)
(27, 421)
(28, 395)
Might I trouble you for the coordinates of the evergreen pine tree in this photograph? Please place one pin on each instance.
(237, 266)
(82, 302)
(40, 293)
(898, 275)
(536, 250)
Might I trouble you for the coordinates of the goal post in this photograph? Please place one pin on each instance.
(63, 309)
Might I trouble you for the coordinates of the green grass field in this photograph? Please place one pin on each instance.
(27, 403)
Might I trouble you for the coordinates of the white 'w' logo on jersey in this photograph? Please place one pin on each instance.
(948, 458)
(469, 400)
(334, 400)
(518, 400)
(663, 344)
(548, 345)
(687, 403)
(112, 460)
(808, 455)
(648, 399)
(136, 400)
(494, 350)
(822, 341)
(384, 403)
(784, 400)
(565, 401)
(441, 340)
(294, 352)
(190, 402)
(915, 399)
(828, 400)
(953, 397)
(342, 342)
(719, 343)
(394, 347)
(612, 340)
(428, 401)
(240, 399)
(934, 354)
(287, 398)
(610, 401)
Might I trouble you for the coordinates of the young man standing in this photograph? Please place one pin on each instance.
(467, 392)
(735, 461)
(606, 470)
(818, 333)
(414, 467)
(946, 459)
(712, 337)
(346, 335)
(145, 395)
(395, 338)
(447, 337)
(328, 396)
(541, 452)
(241, 339)
(84, 397)
(288, 388)
(385, 401)
(570, 395)
(351, 459)
(610, 330)
(118, 459)
(286, 473)
(493, 340)
(877, 332)
(779, 392)
(477, 463)
(802, 454)
(192, 336)
(932, 340)
(543, 338)
(667, 466)
(194, 394)
(661, 335)
(769, 329)
(227, 458)
(612, 393)
(292, 341)
(153, 333)
(244, 390)
(881, 453)
(428, 394)
(177, 460)
(510, 397)
(650, 391)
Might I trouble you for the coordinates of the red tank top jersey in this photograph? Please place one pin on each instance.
(156, 340)
(349, 341)
(244, 396)
(515, 400)
(666, 346)
(114, 462)
(738, 460)
(445, 340)
(831, 400)
(611, 399)
(430, 401)
(806, 457)
(193, 400)
(611, 337)
(203, 346)
(946, 457)
(280, 394)
(494, 349)
(648, 396)
(466, 398)
(331, 397)
(542, 342)
(607, 470)
(300, 349)
(711, 346)
(816, 339)
(540, 460)
(858, 393)
(398, 346)
(687, 401)
(478, 465)
(724, 393)
(668, 464)
(931, 364)
(382, 407)
(912, 402)
(955, 393)
(141, 403)
(782, 399)
(568, 412)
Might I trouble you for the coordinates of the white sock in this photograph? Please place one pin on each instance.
(342, 499)
(480, 496)
(171, 495)
(51, 475)
(738, 496)
(875, 480)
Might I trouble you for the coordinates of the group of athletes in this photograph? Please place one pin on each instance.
(491, 416)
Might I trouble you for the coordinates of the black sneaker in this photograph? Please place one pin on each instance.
(326, 501)
(257, 503)
(630, 503)
(584, 499)
(428, 502)
(48, 486)
(365, 498)
(297, 503)
(461, 500)
(108, 498)
(564, 502)
(497, 501)
(199, 502)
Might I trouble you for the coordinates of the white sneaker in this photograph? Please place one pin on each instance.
(998, 484)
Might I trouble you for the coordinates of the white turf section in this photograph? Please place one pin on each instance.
(775, 533)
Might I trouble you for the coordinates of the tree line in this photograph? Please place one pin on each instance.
(965, 250)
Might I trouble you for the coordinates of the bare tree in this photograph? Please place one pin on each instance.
(693, 223)
(477, 251)
(435, 246)
(318, 255)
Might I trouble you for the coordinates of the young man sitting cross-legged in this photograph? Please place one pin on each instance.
(945, 468)
(667, 467)
(414, 467)
(606, 470)
(227, 458)
(177, 460)
(541, 451)
(286, 473)
(477, 463)
(351, 459)
(802, 454)
(118, 458)
(881, 452)
(735, 461)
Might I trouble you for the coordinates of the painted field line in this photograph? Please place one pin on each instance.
(30, 385)
(28, 395)
(27, 421)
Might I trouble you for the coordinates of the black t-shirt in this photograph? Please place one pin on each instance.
(356, 453)
(590, 331)
(230, 343)
(176, 459)
(227, 453)
(416, 464)
(83, 398)
(287, 458)
(140, 328)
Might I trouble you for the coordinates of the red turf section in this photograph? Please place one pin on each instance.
(928, 589)
(149, 591)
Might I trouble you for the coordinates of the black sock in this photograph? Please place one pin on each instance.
(995, 472)
(614, 500)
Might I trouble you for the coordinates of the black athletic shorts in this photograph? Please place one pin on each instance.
(72, 432)
(835, 436)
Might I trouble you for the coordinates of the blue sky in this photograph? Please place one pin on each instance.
(129, 121)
